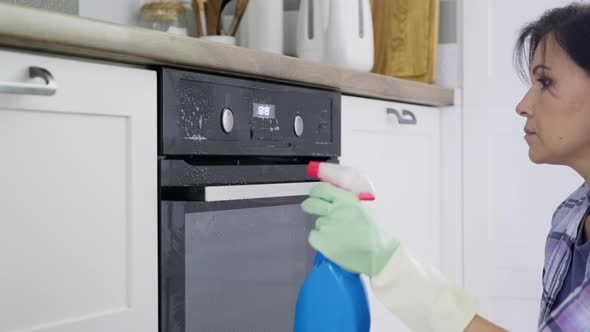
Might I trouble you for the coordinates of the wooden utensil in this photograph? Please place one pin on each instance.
(406, 38)
(214, 9)
(241, 6)
(212, 13)
(199, 11)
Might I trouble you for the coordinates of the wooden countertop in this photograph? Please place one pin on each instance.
(38, 30)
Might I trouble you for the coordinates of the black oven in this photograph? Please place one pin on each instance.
(232, 172)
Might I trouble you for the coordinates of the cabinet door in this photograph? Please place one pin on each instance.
(403, 162)
(78, 197)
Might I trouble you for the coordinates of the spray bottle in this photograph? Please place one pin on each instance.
(332, 298)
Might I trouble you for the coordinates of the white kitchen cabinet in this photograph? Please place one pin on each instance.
(78, 198)
(403, 161)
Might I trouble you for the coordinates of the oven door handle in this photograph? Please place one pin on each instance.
(237, 192)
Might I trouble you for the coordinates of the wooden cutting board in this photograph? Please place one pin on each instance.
(406, 38)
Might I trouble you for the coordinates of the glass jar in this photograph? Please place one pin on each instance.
(167, 16)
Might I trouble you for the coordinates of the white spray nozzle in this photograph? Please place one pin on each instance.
(343, 177)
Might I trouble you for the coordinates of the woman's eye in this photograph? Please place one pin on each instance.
(544, 82)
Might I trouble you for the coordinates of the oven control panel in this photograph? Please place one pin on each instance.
(203, 114)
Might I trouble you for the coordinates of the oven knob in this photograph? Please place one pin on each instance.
(298, 126)
(227, 120)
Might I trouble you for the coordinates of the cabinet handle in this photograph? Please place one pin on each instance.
(406, 117)
(47, 89)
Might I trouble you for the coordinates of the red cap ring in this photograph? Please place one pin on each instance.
(313, 169)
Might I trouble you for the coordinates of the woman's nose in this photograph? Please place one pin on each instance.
(524, 108)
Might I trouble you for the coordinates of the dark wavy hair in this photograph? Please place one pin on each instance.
(570, 25)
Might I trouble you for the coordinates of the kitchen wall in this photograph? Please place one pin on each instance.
(62, 6)
(118, 11)
(448, 22)
(126, 11)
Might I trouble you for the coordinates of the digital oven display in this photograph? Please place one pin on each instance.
(263, 111)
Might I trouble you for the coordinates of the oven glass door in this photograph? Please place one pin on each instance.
(235, 259)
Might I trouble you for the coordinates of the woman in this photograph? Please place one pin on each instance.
(556, 51)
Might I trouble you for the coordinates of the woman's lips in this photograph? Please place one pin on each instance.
(528, 131)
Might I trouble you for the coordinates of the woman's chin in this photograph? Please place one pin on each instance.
(536, 157)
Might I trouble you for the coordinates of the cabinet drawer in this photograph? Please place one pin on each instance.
(77, 82)
(378, 115)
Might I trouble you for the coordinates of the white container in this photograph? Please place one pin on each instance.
(349, 37)
(311, 29)
(262, 26)
(228, 40)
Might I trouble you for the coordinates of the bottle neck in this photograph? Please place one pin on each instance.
(320, 259)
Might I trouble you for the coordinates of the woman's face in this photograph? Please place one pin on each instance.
(557, 108)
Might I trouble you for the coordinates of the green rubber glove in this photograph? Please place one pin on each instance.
(346, 232)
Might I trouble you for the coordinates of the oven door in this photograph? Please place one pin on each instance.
(232, 258)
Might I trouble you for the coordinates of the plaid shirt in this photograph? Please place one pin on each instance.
(574, 313)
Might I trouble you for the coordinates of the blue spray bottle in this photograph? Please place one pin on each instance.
(332, 298)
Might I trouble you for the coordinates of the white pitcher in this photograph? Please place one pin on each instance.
(312, 22)
(349, 37)
(262, 26)
(338, 32)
